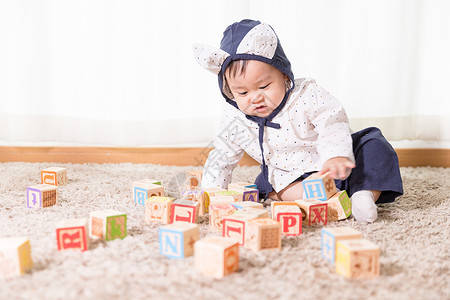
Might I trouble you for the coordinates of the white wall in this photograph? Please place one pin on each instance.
(122, 73)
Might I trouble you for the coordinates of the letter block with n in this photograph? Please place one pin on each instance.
(177, 240)
(72, 234)
(289, 215)
(314, 212)
(108, 224)
(320, 187)
(185, 211)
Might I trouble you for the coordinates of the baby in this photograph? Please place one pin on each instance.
(293, 127)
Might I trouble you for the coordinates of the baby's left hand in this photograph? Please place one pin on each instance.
(340, 167)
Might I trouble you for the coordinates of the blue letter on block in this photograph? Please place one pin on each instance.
(328, 246)
(140, 195)
(314, 189)
(171, 243)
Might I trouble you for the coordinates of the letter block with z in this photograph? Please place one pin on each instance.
(72, 234)
(185, 211)
(289, 215)
(15, 257)
(54, 176)
(320, 187)
(358, 259)
(216, 256)
(330, 237)
(108, 224)
(146, 188)
(177, 240)
(314, 212)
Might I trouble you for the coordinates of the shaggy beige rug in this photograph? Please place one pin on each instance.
(413, 234)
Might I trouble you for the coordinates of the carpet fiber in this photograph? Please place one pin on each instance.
(413, 234)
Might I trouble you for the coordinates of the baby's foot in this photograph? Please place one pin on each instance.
(364, 208)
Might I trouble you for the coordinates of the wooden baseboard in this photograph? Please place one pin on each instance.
(177, 156)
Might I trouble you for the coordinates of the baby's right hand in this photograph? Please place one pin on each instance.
(340, 167)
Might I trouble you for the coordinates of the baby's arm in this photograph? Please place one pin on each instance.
(340, 167)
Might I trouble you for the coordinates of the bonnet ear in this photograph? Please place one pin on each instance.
(209, 57)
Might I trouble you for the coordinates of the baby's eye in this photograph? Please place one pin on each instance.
(264, 87)
(243, 93)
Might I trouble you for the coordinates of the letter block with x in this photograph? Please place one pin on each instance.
(72, 234)
(108, 224)
(314, 212)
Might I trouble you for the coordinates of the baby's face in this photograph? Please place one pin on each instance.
(258, 90)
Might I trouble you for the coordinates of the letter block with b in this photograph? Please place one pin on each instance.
(289, 215)
(320, 187)
(108, 224)
(146, 188)
(72, 234)
(177, 240)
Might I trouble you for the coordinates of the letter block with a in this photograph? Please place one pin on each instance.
(184, 211)
(314, 212)
(339, 207)
(358, 259)
(146, 188)
(263, 233)
(54, 176)
(330, 237)
(108, 224)
(15, 257)
(158, 209)
(177, 240)
(216, 214)
(42, 195)
(289, 215)
(72, 234)
(216, 256)
(320, 187)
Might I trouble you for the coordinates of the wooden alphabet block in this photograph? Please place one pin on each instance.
(216, 256)
(357, 259)
(263, 233)
(241, 186)
(42, 195)
(197, 195)
(339, 207)
(108, 224)
(314, 212)
(194, 179)
(184, 211)
(15, 257)
(320, 187)
(54, 176)
(177, 240)
(146, 188)
(217, 212)
(289, 215)
(234, 225)
(250, 195)
(158, 209)
(233, 196)
(330, 237)
(247, 204)
(72, 234)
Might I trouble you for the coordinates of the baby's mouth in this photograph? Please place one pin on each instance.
(260, 108)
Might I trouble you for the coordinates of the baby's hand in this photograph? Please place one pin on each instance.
(340, 167)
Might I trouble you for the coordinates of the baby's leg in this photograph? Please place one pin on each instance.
(292, 192)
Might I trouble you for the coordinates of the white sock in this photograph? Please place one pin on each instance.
(364, 208)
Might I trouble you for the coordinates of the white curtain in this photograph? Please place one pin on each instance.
(122, 73)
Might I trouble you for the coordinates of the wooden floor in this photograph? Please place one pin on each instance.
(177, 156)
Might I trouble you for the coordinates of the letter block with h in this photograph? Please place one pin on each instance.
(216, 256)
(72, 234)
(108, 224)
(330, 237)
(54, 176)
(177, 240)
(15, 257)
(320, 187)
(314, 212)
(146, 188)
(289, 215)
(185, 211)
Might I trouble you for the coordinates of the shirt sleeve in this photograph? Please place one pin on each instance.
(222, 160)
(331, 124)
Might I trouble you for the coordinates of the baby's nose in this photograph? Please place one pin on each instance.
(258, 98)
